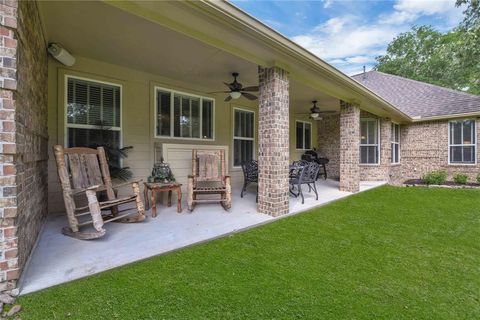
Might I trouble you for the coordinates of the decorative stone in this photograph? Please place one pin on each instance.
(6, 298)
(14, 310)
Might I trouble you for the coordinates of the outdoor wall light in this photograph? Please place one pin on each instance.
(235, 94)
(62, 55)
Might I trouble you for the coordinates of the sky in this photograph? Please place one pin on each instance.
(349, 34)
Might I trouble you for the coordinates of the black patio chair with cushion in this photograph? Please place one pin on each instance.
(250, 175)
(305, 174)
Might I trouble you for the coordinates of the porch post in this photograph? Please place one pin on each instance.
(349, 147)
(385, 148)
(23, 136)
(273, 141)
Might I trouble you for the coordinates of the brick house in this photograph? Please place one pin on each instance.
(154, 62)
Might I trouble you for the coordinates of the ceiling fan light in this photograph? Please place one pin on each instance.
(314, 115)
(235, 94)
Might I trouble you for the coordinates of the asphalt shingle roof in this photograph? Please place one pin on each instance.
(418, 99)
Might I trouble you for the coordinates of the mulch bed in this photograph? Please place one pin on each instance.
(447, 184)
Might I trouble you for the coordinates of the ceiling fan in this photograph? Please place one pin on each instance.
(316, 113)
(237, 90)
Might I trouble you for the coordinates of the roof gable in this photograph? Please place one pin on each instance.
(418, 99)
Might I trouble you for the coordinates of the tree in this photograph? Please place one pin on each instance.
(449, 59)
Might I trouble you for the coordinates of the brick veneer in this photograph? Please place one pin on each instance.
(329, 143)
(349, 147)
(23, 134)
(273, 141)
(423, 148)
(381, 171)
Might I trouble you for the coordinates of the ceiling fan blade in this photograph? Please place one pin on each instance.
(228, 98)
(249, 96)
(251, 88)
(218, 92)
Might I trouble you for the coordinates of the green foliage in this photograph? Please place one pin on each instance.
(478, 178)
(460, 178)
(388, 253)
(114, 154)
(449, 59)
(435, 177)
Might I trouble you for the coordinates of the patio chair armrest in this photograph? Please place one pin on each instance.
(84, 190)
(127, 183)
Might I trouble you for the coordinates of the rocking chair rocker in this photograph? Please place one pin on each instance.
(84, 171)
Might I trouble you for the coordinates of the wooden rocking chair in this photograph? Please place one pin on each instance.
(84, 171)
(208, 177)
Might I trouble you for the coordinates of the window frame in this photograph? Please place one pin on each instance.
(377, 122)
(182, 93)
(66, 125)
(254, 139)
(393, 124)
(303, 137)
(474, 145)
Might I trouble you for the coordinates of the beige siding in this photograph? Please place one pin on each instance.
(138, 117)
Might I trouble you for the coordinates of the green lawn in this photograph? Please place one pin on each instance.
(389, 253)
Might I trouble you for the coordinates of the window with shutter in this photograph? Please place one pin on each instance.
(93, 113)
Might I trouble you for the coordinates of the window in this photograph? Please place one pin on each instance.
(303, 135)
(369, 146)
(180, 115)
(243, 136)
(462, 143)
(93, 114)
(395, 143)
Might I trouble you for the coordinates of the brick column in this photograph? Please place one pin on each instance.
(8, 182)
(385, 147)
(349, 147)
(273, 141)
(23, 135)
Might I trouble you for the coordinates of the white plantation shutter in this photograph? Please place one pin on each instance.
(92, 106)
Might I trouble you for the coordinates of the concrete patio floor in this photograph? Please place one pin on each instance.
(58, 259)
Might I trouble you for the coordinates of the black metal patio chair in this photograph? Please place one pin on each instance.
(250, 175)
(304, 173)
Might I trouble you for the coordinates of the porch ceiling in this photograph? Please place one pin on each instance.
(128, 40)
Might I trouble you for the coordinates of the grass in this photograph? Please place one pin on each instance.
(389, 253)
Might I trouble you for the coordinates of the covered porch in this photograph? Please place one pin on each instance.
(58, 259)
(148, 57)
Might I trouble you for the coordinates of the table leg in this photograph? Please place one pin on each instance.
(169, 198)
(179, 200)
(154, 203)
(145, 196)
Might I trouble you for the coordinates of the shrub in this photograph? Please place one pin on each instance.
(478, 178)
(460, 178)
(435, 177)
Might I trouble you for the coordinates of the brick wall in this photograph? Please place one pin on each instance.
(23, 132)
(273, 141)
(329, 143)
(349, 147)
(381, 171)
(424, 147)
